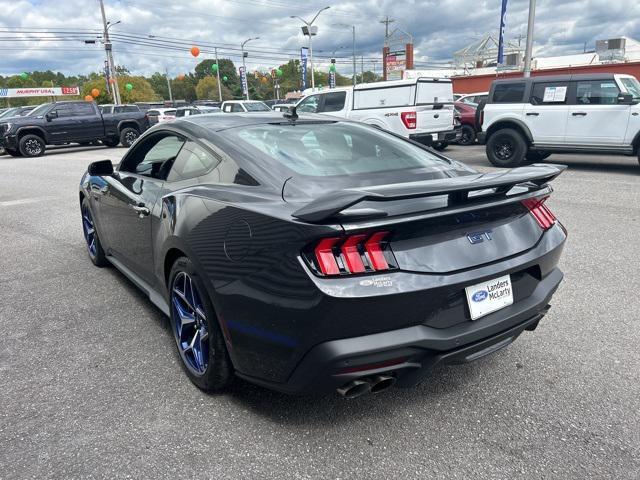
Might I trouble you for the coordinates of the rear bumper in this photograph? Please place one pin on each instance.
(410, 353)
(444, 136)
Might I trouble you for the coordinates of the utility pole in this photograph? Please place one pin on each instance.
(218, 74)
(362, 68)
(529, 48)
(244, 65)
(353, 50)
(109, 51)
(386, 22)
(166, 74)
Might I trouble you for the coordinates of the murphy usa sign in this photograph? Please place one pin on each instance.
(39, 92)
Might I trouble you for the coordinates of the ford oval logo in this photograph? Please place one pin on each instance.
(480, 295)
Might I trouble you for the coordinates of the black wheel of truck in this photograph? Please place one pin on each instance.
(506, 148)
(32, 146)
(111, 142)
(128, 136)
(440, 146)
(467, 135)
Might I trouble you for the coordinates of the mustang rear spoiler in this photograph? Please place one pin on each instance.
(457, 188)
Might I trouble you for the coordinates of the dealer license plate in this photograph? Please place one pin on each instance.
(490, 296)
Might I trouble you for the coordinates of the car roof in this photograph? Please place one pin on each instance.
(221, 121)
(559, 78)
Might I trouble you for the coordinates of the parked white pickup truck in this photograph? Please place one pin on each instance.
(420, 109)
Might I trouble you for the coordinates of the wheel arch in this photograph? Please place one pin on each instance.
(32, 130)
(128, 124)
(514, 124)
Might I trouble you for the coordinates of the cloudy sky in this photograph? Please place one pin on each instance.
(155, 35)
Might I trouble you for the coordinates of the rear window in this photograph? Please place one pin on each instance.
(153, 113)
(329, 149)
(508, 93)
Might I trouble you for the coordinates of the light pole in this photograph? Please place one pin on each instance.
(108, 49)
(309, 30)
(528, 50)
(353, 48)
(244, 66)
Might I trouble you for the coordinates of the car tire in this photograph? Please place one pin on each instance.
(533, 156)
(128, 136)
(13, 153)
(440, 146)
(94, 246)
(207, 365)
(32, 146)
(506, 148)
(467, 135)
(110, 142)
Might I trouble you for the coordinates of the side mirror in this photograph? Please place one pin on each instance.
(51, 115)
(101, 168)
(625, 98)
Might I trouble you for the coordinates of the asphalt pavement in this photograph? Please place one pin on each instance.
(91, 387)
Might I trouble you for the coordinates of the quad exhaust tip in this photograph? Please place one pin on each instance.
(362, 386)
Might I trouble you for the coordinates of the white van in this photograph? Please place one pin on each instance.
(420, 109)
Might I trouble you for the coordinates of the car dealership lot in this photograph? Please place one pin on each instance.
(92, 386)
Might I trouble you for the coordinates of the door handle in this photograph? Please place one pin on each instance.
(635, 114)
(579, 114)
(141, 210)
(532, 114)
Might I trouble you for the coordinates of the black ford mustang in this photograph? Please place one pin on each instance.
(311, 254)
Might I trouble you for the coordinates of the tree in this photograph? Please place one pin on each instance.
(185, 88)
(158, 82)
(141, 91)
(207, 89)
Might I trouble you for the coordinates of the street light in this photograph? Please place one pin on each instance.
(244, 66)
(310, 31)
(353, 48)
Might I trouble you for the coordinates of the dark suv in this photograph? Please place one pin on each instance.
(61, 123)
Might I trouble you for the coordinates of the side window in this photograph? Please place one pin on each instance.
(236, 107)
(508, 92)
(334, 102)
(549, 93)
(309, 104)
(154, 157)
(227, 108)
(64, 111)
(82, 109)
(192, 161)
(597, 92)
(131, 108)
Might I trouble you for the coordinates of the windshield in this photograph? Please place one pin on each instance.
(256, 107)
(632, 85)
(39, 110)
(9, 113)
(329, 149)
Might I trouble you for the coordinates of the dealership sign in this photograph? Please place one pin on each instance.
(396, 64)
(39, 92)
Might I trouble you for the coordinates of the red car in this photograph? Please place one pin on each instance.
(467, 116)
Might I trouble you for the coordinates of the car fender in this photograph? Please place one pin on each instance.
(129, 122)
(35, 129)
(508, 121)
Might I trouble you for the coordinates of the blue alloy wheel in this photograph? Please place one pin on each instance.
(89, 231)
(190, 324)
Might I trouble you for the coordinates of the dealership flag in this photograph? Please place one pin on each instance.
(303, 65)
(503, 18)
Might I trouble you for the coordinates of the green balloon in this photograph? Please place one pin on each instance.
(24, 75)
(332, 68)
(128, 86)
(225, 78)
(214, 68)
(279, 72)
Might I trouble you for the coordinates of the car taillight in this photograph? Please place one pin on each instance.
(540, 212)
(409, 119)
(359, 253)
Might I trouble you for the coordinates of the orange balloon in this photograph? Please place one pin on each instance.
(88, 98)
(112, 81)
(181, 76)
(195, 51)
(95, 92)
